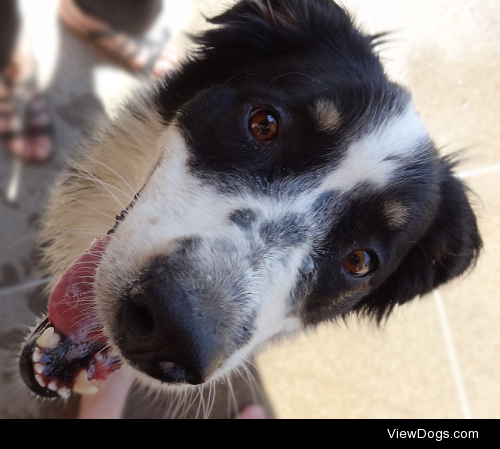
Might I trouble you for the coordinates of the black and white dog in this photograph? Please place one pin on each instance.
(278, 180)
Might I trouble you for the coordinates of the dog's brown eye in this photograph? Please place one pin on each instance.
(359, 263)
(263, 125)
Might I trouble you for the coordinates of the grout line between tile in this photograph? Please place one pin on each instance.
(452, 355)
(23, 287)
(478, 172)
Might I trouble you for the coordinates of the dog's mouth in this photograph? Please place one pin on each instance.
(68, 352)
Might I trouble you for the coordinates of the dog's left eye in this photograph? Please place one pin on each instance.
(263, 125)
(359, 263)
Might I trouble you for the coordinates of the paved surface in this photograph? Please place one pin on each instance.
(436, 358)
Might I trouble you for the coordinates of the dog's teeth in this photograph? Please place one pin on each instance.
(37, 355)
(64, 392)
(53, 386)
(83, 386)
(49, 339)
(40, 381)
(39, 368)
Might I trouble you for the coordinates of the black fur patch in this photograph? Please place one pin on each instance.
(262, 59)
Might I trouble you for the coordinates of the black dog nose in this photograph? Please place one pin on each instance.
(164, 331)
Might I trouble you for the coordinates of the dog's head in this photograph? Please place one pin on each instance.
(297, 185)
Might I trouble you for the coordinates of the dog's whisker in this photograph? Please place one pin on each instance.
(250, 380)
(209, 400)
(291, 73)
(99, 181)
(200, 399)
(203, 402)
(178, 404)
(193, 397)
(116, 173)
(106, 187)
(175, 403)
(233, 397)
(214, 387)
(97, 210)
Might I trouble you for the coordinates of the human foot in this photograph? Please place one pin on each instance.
(109, 401)
(255, 412)
(137, 54)
(25, 124)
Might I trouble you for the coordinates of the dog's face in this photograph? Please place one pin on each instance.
(296, 185)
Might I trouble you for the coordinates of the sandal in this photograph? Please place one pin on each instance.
(140, 55)
(125, 56)
(25, 138)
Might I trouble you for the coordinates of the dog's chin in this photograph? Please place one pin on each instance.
(152, 384)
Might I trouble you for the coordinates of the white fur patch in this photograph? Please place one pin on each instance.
(375, 157)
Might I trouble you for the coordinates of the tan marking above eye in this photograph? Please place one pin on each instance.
(396, 213)
(327, 115)
(359, 263)
(263, 125)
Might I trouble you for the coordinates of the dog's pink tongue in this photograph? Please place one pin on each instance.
(71, 303)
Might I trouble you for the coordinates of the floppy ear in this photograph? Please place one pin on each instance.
(450, 246)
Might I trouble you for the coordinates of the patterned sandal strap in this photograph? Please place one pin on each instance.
(41, 131)
(157, 49)
(108, 33)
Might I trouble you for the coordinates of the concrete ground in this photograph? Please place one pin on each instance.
(435, 358)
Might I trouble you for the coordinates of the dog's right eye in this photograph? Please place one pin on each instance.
(263, 125)
(360, 263)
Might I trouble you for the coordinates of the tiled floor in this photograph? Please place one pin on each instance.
(435, 358)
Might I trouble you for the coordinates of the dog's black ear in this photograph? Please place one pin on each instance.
(449, 247)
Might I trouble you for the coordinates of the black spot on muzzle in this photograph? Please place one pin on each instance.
(286, 233)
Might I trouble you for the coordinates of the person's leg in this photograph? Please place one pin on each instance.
(128, 16)
(117, 27)
(24, 120)
(9, 30)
